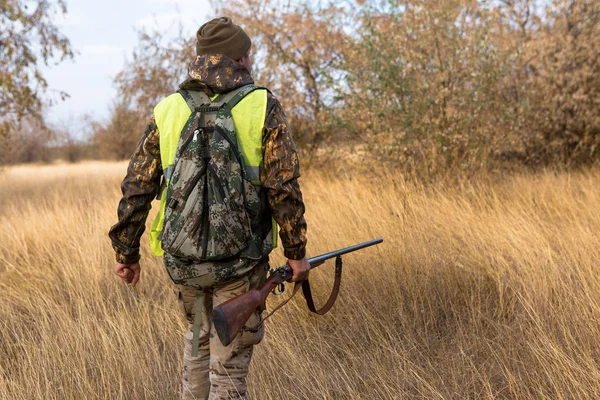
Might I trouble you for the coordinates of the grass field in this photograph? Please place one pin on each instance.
(480, 291)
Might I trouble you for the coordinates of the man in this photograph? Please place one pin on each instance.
(221, 67)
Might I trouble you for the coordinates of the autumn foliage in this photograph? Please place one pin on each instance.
(29, 39)
(434, 88)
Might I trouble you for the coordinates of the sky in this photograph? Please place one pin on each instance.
(104, 34)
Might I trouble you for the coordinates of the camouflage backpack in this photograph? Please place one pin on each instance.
(210, 203)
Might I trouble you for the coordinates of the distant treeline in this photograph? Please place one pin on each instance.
(428, 86)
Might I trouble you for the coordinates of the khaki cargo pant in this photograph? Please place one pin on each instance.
(218, 372)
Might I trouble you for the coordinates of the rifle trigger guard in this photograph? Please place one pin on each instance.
(279, 289)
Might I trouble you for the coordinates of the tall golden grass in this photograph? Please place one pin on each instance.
(480, 291)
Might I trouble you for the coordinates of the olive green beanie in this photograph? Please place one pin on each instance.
(221, 36)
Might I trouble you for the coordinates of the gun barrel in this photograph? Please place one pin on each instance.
(315, 261)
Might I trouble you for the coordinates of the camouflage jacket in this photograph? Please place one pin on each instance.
(279, 175)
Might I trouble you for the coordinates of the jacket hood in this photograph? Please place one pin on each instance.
(216, 73)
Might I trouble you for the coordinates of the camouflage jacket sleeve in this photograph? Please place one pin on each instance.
(140, 187)
(279, 176)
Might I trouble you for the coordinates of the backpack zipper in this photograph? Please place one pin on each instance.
(195, 181)
(183, 147)
(219, 185)
(206, 218)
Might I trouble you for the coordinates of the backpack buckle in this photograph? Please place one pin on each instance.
(173, 203)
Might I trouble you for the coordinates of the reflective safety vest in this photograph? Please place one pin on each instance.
(171, 115)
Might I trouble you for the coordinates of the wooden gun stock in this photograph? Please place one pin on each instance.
(229, 317)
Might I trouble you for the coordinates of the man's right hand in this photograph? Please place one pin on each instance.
(129, 273)
(300, 268)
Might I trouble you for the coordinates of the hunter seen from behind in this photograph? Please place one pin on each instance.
(466, 134)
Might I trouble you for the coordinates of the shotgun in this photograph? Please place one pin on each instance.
(229, 317)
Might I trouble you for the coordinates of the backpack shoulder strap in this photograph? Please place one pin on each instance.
(238, 94)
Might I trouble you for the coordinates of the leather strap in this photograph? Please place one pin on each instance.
(334, 293)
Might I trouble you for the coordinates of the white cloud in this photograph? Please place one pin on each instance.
(102, 50)
(174, 12)
(169, 2)
(160, 22)
(73, 19)
(170, 21)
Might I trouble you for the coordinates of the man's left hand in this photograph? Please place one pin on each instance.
(129, 273)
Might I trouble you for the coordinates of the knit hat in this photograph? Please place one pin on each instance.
(221, 36)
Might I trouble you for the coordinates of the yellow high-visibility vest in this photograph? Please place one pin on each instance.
(171, 115)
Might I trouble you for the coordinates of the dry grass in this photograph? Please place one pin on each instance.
(483, 291)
